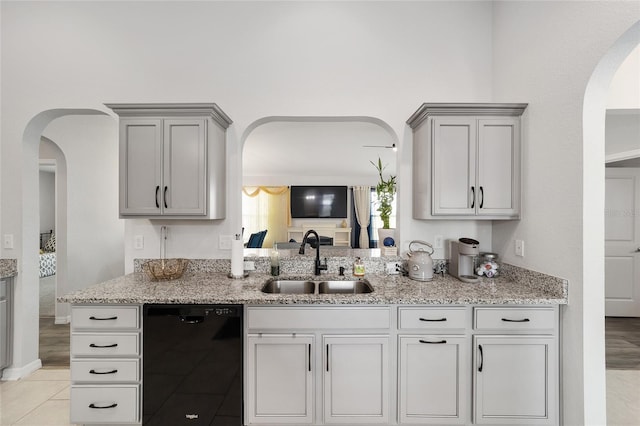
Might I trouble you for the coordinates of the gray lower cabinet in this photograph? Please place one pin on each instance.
(5, 323)
(433, 359)
(280, 379)
(407, 364)
(515, 366)
(106, 364)
(290, 378)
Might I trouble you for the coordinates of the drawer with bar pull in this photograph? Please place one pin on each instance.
(105, 344)
(105, 371)
(105, 317)
(105, 404)
(515, 319)
(424, 318)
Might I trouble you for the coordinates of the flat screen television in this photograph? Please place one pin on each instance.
(318, 202)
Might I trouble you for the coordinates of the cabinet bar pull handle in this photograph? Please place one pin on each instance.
(481, 197)
(481, 358)
(93, 345)
(103, 319)
(429, 319)
(92, 405)
(512, 320)
(103, 372)
(164, 197)
(157, 202)
(433, 343)
(473, 197)
(327, 357)
(309, 356)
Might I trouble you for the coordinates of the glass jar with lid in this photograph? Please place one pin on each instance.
(488, 265)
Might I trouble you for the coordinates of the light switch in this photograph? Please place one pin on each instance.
(8, 241)
(224, 242)
(138, 242)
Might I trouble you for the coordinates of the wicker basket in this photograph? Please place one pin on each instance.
(165, 269)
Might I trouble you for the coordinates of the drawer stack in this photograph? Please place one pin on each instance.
(105, 364)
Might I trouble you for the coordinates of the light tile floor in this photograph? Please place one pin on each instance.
(42, 399)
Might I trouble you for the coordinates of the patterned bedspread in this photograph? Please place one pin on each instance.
(47, 264)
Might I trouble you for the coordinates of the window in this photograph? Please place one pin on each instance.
(376, 222)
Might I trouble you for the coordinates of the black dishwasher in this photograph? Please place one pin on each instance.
(192, 365)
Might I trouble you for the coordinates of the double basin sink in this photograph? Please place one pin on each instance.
(280, 286)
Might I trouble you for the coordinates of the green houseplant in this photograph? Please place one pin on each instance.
(386, 192)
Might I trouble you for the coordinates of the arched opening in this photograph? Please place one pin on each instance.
(315, 151)
(594, 113)
(83, 136)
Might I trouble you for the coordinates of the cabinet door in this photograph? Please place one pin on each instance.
(279, 379)
(140, 166)
(515, 380)
(498, 187)
(454, 166)
(184, 189)
(4, 333)
(433, 379)
(356, 379)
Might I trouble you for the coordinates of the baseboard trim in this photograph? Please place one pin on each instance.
(17, 373)
(62, 319)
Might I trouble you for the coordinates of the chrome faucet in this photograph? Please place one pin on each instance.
(318, 265)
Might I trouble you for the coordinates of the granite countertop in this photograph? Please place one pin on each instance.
(527, 287)
(8, 268)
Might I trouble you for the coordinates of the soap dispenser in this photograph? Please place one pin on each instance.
(358, 267)
(275, 263)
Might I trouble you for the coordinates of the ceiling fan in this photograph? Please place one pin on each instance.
(393, 146)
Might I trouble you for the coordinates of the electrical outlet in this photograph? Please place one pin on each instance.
(138, 242)
(437, 241)
(224, 242)
(393, 268)
(249, 265)
(519, 248)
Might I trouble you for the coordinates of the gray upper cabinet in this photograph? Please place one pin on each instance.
(172, 160)
(466, 161)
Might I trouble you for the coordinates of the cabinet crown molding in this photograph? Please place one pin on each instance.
(427, 110)
(172, 109)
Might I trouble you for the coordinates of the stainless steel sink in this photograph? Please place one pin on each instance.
(283, 286)
(289, 287)
(344, 287)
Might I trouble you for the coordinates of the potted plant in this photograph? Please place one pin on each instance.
(386, 192)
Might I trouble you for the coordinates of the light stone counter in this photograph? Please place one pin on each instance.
(515, 286)
(8, 268)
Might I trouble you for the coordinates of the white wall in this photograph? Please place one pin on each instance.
(47, 201)
(95, 234)
(545, 54)
(624, 92)
(623, 131)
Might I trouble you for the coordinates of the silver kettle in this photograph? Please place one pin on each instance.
(420, 263)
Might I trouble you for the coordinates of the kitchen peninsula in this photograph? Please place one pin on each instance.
(409, 352)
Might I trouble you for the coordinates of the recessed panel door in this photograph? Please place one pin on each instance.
(434, 377)
(185, 162)
(622, 242)
(515, 380)
(279, 379)
(454, 166)
(356, 379)
(498, 167)
(140, 166)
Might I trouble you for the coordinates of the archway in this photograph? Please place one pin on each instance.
(26, 318)
(594, 113)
